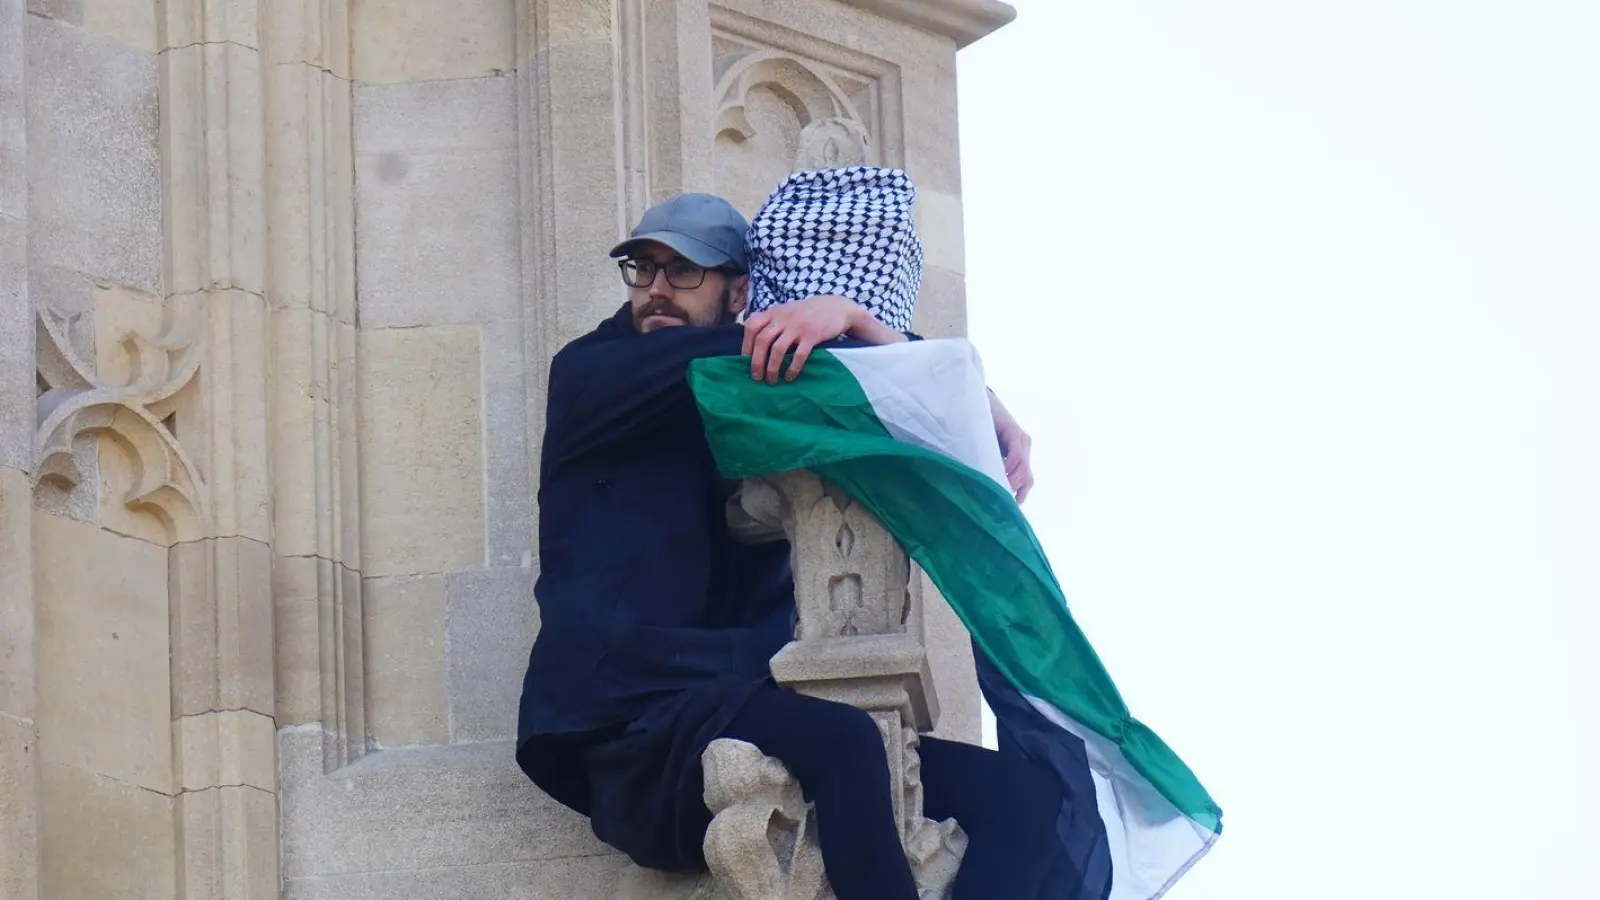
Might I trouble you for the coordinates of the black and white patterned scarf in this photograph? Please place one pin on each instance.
(839, 231)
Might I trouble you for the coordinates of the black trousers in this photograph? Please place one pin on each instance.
(1007, 808)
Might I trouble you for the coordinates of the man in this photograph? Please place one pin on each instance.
(657, 626)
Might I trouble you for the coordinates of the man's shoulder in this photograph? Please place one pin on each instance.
(608, 333)
(617, 326)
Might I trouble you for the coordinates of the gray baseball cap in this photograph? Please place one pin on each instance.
(704, 229)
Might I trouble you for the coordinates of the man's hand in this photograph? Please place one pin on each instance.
(769, 335)
(1015, 446)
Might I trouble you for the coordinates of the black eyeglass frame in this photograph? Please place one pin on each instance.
(640, 266)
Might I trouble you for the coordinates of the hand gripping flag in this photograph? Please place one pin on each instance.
(906, 430)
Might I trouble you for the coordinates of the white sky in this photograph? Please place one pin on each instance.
(1301, 302)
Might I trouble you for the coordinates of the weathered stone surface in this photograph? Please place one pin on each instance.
(568, 21)
(678, 55)
(82, 501)
(933, 134)
(69, 11)
(963, 21)
(402, 40)
(19, 797)
(101, 838)
(436, 194)
(229, 844)
(565, 878)
(582, 206)
(213, 150)
(941, 304)
(232, 747)
(17, 394)
(851, 577)
(422, 506)
(511, 491)
(490, 622)
(638, 883)
(344, 670)
(295, 627)
(753, 799)
(16, 596)
(104, 700)
(13, 116)
(383, 813)
(313, 437)
(226, 427)
(320, 652)
(94, 201)
(315, 35)
(221, 611)
(405, 634)
(188, 22)
(132, 22)
(939, 225)
(311, 245)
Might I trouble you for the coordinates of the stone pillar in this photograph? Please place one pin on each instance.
(851, 646)
(310, 291)
(219, 570)
(19, 862)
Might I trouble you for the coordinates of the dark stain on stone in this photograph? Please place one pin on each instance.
(391, 168)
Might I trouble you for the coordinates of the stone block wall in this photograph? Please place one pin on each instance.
(279, 285)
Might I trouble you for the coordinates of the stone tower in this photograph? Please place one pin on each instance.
(279, 284)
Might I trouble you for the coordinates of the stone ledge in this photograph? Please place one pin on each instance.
(964, 21)
(869, 670)
(417, 808)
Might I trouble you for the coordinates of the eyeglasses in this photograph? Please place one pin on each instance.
(681, 273)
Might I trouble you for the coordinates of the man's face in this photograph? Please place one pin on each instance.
(718, 299)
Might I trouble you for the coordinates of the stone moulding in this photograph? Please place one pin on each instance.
(812, 93)
(963, 21)
(848, 103)
(309, 249)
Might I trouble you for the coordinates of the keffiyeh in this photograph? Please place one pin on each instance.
(842, 231)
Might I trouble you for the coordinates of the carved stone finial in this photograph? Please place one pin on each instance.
(832, 143)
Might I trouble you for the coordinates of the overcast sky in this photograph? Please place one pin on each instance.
(1301, 302)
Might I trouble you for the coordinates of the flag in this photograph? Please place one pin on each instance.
(906, 430)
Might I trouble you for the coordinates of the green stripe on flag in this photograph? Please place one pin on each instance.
(961, 527)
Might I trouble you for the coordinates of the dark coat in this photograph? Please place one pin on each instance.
(655, 624)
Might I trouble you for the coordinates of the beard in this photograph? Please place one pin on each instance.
(723, 315)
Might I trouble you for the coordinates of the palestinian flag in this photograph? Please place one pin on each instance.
(906, 430)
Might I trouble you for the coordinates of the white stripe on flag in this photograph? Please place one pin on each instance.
(931, 394)
(1164, 844)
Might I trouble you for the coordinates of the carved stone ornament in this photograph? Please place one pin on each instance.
(809, 92)
(132, 407)
(832, 143)
(777, 111)
(851, 647)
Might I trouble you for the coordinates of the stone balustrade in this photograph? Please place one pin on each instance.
(852, 646)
